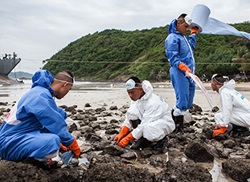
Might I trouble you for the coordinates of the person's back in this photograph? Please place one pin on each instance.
(35, 126)
(239, 102)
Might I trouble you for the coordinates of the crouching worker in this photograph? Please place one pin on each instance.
(35, 128)
(148, 118)
(235, 116)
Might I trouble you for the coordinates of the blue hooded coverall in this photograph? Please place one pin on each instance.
(35, 126)
(179, 49)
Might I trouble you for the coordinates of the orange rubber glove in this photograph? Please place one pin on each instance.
(122, 133)
(219, 130)
(124, 142)
(63, 148)
(194, 30)
(74, 147)
(184, 68)
(216, 127)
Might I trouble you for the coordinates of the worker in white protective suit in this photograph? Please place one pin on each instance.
(235, 115)
(148, 118)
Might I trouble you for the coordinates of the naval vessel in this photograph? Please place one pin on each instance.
(8, 62)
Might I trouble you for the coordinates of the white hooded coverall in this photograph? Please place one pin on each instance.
(154, 113)
(235, 107)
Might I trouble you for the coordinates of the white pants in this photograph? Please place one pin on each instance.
(234, 119)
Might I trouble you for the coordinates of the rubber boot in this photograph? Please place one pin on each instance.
(140, 144)
(161, 144)
(179, 123)
(239, 131)
(172, 114)
(178, 120)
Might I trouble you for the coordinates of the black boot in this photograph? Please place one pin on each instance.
(239, 131)
(178, 122)
(140, 144)
(161, 144)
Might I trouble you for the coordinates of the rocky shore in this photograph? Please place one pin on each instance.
(190, 156)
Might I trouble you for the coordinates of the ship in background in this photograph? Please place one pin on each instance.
(8, 63)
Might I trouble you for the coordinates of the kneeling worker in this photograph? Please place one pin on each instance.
(35, 127)
(235, 108)
(148, 118)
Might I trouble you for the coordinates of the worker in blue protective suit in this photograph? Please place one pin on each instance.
(179, 51)
(148, 119)
(35, 127)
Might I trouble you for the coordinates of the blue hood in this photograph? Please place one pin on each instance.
(43, 78)
(172, 27)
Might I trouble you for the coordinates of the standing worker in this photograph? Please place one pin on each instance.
(179, 51)
(148, 118)
(235, 115)
(35, 128)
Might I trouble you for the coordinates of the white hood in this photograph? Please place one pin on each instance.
(147, 88)
(229, 85)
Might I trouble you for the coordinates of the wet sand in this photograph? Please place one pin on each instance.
(114, 94)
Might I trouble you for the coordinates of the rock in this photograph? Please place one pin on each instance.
(105, 114)
(87, 105)
(18, 171)
(117, 172)
(197, 151)
(129, 155)
(72, 127)
(188, 171)
(237, 169)
(111, 132)
(114, 121)
(80, 116)
(212, 150)
(113, 108)
(248, 155)
(92, 118)
(157, 161)
(229, 143)
(113, 150)
(215, 109)
(146, 153)
(195, 109)
(3, 103)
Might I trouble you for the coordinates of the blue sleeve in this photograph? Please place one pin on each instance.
(52, 117)
(192, 41)
(172, 50)
(62, 112)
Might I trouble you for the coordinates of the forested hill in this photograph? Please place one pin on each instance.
(117, 54)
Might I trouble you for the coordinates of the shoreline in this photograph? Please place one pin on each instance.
(114, 94)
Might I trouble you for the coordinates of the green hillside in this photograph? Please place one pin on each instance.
(117, 54)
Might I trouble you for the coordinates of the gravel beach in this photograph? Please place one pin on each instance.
(98, 111)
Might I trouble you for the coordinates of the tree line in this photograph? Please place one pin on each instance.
(117, 54)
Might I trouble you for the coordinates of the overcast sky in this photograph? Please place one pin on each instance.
(37, 29)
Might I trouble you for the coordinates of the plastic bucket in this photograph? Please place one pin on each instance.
(200, 16)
